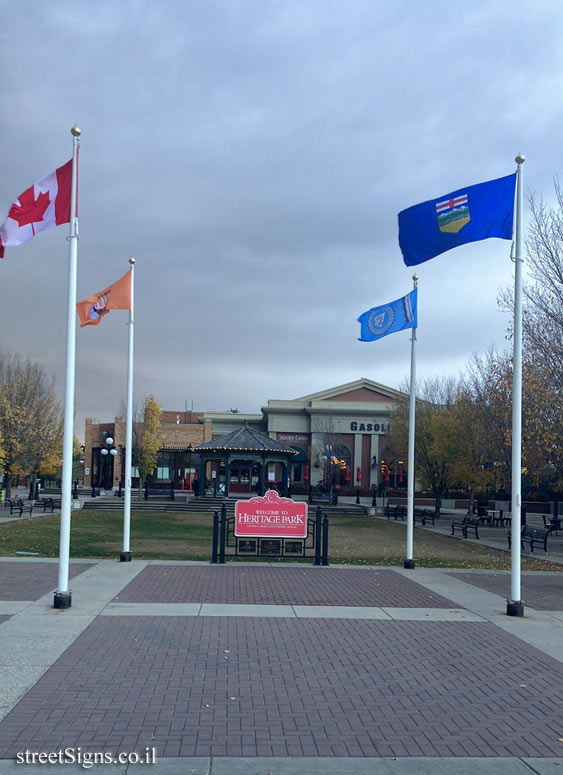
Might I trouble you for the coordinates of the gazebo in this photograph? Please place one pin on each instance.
(245, 461)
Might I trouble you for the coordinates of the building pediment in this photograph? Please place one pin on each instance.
(361, 390)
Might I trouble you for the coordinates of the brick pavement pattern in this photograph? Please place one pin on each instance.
(32, 580)
(230, 686)
(544, 593)
(259, 585)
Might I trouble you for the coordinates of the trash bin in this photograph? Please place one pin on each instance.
(2, 497)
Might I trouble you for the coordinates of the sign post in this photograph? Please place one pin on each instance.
(270, 526)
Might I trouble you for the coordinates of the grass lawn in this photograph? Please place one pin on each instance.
(167, 535)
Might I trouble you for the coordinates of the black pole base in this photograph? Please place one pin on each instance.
(125, 557)
(514, 608)
(62, 600)
(409, 564)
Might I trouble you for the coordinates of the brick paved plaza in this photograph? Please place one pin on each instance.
(544, 592)
(283, 662)
(30, 580)
(259, 585)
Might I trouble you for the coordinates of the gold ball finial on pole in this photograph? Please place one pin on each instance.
(131, 260)
(76, 131)
(520, 159)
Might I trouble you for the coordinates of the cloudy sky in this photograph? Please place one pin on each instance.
(253, 156)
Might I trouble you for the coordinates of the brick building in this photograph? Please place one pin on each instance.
(341, 432)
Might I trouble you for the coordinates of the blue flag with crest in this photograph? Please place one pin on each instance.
(466, 215)
(388, 318)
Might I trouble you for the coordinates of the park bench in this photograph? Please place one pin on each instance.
(501, 518)
(50, 503)
(324, 497)
(397, 512)
(533, 535)
(430, 515)
(16, 504)
(423, 516)
(466, 524)
(554, 525)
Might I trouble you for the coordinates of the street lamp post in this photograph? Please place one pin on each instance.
(109, 449)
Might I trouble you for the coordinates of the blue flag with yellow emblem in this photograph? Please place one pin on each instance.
(388, 318)
(467, 215)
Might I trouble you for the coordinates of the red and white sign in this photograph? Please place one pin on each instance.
(271, 517)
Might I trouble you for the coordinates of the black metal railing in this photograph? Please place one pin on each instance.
(226, 544)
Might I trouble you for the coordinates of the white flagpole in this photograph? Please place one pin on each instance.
(63, 597)
(515, 605)
(409, 561)
(126, 553)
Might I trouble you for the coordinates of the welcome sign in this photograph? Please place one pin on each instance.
(271, 517)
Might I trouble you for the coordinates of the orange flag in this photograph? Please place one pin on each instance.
(116, 296)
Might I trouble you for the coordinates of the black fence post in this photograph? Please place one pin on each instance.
(93, 490)
(357, 496)
(374, 499)
(119, 493)
(318, 535)
(146, 491)
(222, 539)
(325, 541)
(172, 490)
(215, 536)
(75, 492)
(310, 499)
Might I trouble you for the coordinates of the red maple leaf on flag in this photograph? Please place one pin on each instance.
(30, 209)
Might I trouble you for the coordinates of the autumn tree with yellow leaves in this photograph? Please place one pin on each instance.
(30, 417)
(436, 443)
(146, 438)
(483, 425)
(542, 327)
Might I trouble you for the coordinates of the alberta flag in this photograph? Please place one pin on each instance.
(395, 316)
(467, 215)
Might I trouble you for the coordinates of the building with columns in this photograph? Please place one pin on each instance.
(345, 427)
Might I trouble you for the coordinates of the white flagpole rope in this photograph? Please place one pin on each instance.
(409, 561)
(63, 597)
(515, 606)
(126, 553)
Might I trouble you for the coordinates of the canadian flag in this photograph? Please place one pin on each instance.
(40, 207)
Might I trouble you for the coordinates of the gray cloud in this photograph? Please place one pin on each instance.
(253, 157)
